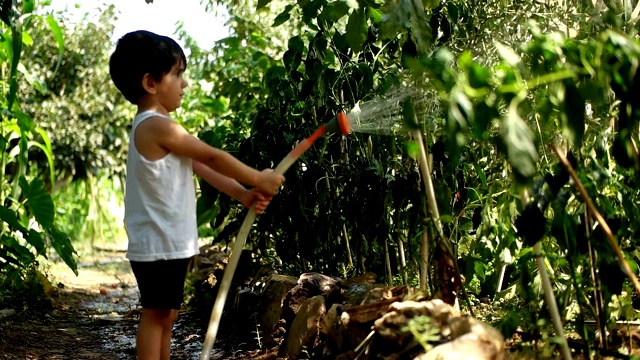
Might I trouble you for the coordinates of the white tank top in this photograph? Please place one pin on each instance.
(160, 204)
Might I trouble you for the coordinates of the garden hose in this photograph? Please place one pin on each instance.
(339, 123)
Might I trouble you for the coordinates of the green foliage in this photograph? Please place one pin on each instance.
(27, 210)
(72, 98)
(558, 75)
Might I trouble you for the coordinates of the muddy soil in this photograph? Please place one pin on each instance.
(94, 316)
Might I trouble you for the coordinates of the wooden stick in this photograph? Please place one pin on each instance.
(598, 217)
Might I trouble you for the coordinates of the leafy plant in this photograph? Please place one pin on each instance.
(26, 209)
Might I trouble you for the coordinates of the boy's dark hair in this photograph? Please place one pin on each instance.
(138, 53)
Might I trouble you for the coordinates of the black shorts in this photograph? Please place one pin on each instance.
(161, 283)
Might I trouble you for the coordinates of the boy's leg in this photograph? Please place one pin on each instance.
(161, 285)
(153, 340)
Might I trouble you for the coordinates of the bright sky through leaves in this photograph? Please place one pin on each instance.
(160, 17)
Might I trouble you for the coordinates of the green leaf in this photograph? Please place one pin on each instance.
(38, 201)
(231, 41)
(58, 35)
(311, 9)
(35, 239)
(281, 19)
(367, 75)
(409, 115)
(28, 6)
(518, 140)
(21, 253)
(357, 30)
(480, 270)
(420, 26)
(507, 54)
(293, 56)
(25, 123)
(262, 3)
(334, 11)
(460, 114)
(479, 76)
(62, 244)
(9, 216)
(395, 19)
(413, 150)
(574, 104)
(374, 15)
(481, 174)
(45, 146)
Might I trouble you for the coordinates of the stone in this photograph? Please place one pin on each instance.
(305, 328)
(7, 312)
(273, 295)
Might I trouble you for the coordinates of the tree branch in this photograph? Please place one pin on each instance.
(598, 217)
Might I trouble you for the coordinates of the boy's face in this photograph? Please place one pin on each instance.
(171, 86)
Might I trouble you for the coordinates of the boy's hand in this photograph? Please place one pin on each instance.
(269, 182)
(254, 195)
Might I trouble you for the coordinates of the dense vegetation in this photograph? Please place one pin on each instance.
(499, 82)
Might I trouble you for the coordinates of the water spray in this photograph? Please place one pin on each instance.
(341, 123)
(385, 114)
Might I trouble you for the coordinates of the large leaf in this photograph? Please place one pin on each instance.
(357, 30)
(9, 216)
(62, 244)
(333, 12)
(20, 252)
(518, 140)
(35, 239)
(293, 56)
(39, 201)
(574, 112)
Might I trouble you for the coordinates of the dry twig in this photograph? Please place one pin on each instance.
(598, 217)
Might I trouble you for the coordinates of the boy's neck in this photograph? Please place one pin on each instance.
(148, 103)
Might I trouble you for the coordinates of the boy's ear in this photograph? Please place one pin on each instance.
(148, 83)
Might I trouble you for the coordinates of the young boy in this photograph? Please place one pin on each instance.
(160, 207)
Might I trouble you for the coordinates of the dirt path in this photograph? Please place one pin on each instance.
(94, 316)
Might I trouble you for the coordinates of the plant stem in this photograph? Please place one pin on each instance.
(549, 297)
(598, 217)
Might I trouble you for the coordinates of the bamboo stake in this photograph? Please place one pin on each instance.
(598, 217)
(433, 208)
(549, 297)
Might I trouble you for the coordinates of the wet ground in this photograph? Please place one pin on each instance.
(93, 316)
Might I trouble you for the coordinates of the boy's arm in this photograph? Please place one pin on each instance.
(231, 187)
(173, 137)
(221, 182)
